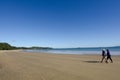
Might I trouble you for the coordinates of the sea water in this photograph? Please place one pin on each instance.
(113, 51)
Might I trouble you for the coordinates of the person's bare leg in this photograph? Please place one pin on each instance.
(107, 60)
(111, 60)
(102, 59)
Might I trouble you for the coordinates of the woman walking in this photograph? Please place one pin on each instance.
(103, 55)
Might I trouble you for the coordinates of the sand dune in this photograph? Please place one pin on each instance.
(18, 65)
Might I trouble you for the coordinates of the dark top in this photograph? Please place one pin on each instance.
(103, 53)
(108, 53)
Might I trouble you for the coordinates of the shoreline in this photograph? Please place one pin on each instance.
(73, 52)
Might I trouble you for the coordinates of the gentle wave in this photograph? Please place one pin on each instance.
(58, 51)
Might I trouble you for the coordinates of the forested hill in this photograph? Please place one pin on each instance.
(6, 46)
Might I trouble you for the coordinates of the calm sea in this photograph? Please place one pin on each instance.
(113, 51)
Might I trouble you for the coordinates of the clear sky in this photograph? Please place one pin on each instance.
(60, 23)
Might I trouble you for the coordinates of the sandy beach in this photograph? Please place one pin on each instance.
(18, 65)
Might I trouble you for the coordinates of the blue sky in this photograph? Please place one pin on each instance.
(60, 23)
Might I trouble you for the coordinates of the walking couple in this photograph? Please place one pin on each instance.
(106, 55)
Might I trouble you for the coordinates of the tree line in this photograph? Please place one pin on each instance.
(6, 46)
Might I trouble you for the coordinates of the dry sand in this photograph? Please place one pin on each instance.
(18, 65)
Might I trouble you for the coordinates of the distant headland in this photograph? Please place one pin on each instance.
(7, 46)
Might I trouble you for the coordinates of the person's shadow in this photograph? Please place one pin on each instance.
(92, 61)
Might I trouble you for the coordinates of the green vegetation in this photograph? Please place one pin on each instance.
(6, 46)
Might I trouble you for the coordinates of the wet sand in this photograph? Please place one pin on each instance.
(18, 65)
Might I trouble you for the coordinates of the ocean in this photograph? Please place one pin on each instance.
(113, 50)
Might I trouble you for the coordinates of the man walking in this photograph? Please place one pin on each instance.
(109, 56)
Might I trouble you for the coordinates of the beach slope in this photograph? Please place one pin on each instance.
(18, 65)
